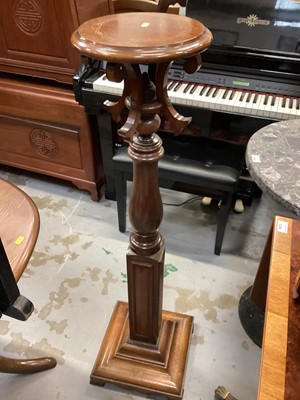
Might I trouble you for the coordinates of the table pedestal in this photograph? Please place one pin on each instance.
(253, 301)
(144, 347)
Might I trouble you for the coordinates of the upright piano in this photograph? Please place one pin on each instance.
(250, 75)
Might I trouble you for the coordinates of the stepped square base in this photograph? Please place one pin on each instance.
(158, 369)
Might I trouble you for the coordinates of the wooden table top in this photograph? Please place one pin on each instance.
(19, 226)
(141, 37)
(280, 361)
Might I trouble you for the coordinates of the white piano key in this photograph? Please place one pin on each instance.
(176, 95)
(216, 102)
(231, 100)
(103, 85)
(258, 107)
(184, 96)
(271, 109)
(242, 103)
(249, 102)
(283, 109)
(204, 97)
(288, 108)
(296, 109)
(197, 95)
(267, 106)
(277, 114)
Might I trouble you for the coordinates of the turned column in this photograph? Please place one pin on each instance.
(145, 257)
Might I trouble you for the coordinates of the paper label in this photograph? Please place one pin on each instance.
(255, 158)
(282, 226)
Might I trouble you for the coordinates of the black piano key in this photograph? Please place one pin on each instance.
(242, 96)
(171, 85)
(216, 91)
(188, 87)
(203, 90)
(177, 86)
(297, 104)
(290, 103)
(231, 95)
(273, 101)
(225, 94)
(266, 100)
(209, 91)
(283, 102)
(255, 98)
(248, 97)
(193, 89)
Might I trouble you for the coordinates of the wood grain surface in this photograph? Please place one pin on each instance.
(19, 226)
(280, 361)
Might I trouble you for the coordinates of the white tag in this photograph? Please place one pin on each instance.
(255, 158)
(282, 226)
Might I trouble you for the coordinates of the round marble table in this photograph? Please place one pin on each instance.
(273, 160)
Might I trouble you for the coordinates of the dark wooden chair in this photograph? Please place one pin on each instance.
(19, 228)
(207, 166)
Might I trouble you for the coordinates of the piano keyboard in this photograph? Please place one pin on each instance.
(227, 100)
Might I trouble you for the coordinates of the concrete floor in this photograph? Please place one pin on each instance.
(77, 273)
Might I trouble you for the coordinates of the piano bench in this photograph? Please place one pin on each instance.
(212, 166)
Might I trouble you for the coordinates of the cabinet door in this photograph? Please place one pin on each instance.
(35, 37)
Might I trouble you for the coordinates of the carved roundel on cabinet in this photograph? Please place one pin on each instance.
(43, 143)
(28, 16)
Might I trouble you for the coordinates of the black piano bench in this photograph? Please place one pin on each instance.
(211, 166)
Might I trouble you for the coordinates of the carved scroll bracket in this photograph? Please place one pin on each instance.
(132, 97)
(176, 121)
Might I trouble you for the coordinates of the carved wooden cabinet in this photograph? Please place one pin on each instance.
(42, 127)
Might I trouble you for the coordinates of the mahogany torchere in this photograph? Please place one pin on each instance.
(144, 347)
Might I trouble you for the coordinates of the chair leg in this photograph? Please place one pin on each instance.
(121, 197)
(30, 366)
(222, 217)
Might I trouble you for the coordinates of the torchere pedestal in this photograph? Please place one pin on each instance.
(144, 347)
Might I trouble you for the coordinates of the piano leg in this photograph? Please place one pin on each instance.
(107, 149)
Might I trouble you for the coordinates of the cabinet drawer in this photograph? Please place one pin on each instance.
(43, 129)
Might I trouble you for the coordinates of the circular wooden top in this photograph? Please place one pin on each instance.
(19, 226)
(141, 37)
